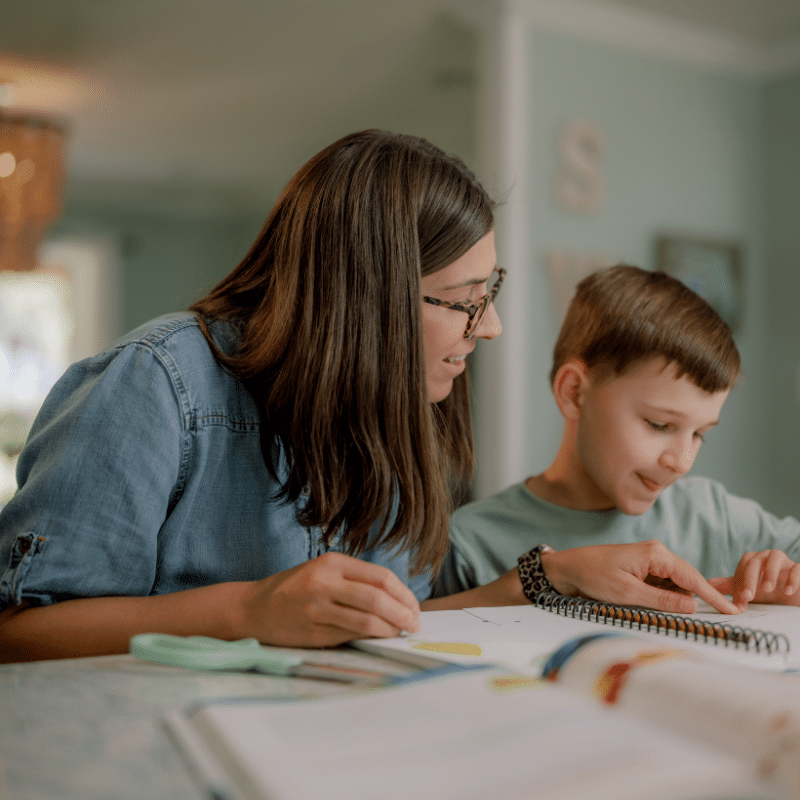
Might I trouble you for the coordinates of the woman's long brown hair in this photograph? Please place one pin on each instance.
(328, 306)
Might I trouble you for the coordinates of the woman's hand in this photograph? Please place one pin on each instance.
(625, 574)
(326, 601)
(320, 603)
(768, 576)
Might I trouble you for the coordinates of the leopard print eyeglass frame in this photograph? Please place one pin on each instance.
(475, 311)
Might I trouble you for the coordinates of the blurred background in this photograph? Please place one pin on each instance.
(143, 142)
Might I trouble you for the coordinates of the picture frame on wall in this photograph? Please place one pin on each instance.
(712, 268)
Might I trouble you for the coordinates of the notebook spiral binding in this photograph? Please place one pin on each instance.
(668, 624)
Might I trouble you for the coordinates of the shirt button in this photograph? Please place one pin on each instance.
(23, 545)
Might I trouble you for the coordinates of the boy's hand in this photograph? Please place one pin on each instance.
(625, 573)
(769, 576)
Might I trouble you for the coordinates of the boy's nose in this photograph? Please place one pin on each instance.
(678, 459)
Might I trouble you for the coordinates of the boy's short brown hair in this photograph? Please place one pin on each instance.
(624, 314)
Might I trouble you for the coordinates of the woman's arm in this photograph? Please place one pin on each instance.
(613, 573)
(324, 602)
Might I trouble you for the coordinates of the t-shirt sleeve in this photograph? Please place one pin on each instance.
(724, 527)
(756, 529)
(102, 466)
(457, 573)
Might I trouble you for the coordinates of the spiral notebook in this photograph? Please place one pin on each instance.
(521, 637)
(677, 625)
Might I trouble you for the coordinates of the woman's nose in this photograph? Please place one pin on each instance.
(490, 326)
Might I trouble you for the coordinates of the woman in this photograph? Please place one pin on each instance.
(279, 462)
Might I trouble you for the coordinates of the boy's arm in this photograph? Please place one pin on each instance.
(769, 576)
(612, 573)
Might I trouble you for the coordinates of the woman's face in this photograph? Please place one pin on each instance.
(464, 282)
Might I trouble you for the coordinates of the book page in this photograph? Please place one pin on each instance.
(750, 715)
(478, 735)
(765, 617)
(464, 637)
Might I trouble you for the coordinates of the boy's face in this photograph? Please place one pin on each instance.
(639, 432)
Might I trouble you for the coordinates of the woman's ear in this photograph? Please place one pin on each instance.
(569, 387)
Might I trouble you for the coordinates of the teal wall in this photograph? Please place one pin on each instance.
(782, 206)
(165, 261)
(684, 153)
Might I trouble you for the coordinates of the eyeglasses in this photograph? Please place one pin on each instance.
(475, 311)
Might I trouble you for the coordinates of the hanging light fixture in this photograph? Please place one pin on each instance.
(31, 180)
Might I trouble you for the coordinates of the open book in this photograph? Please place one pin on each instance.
(474, 734)
(732, 693)
(617, 717)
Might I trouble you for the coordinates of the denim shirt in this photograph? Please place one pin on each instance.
(143, 475)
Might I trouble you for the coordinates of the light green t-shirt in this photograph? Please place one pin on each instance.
(695, 518)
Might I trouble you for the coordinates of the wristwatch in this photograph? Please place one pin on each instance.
(531, 573)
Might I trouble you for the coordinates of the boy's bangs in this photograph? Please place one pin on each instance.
(624, 315)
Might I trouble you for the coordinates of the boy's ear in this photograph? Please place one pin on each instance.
(569, 386)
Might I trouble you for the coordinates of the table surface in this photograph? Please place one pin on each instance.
(90, 728)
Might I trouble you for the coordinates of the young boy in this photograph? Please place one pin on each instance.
(641, 370)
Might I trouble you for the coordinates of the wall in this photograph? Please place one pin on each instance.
(682, 152)
(782, 206)
(165, 262)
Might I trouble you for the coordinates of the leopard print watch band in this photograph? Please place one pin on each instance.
(531, 573)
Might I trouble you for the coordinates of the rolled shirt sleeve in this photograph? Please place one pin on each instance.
(101, 468)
